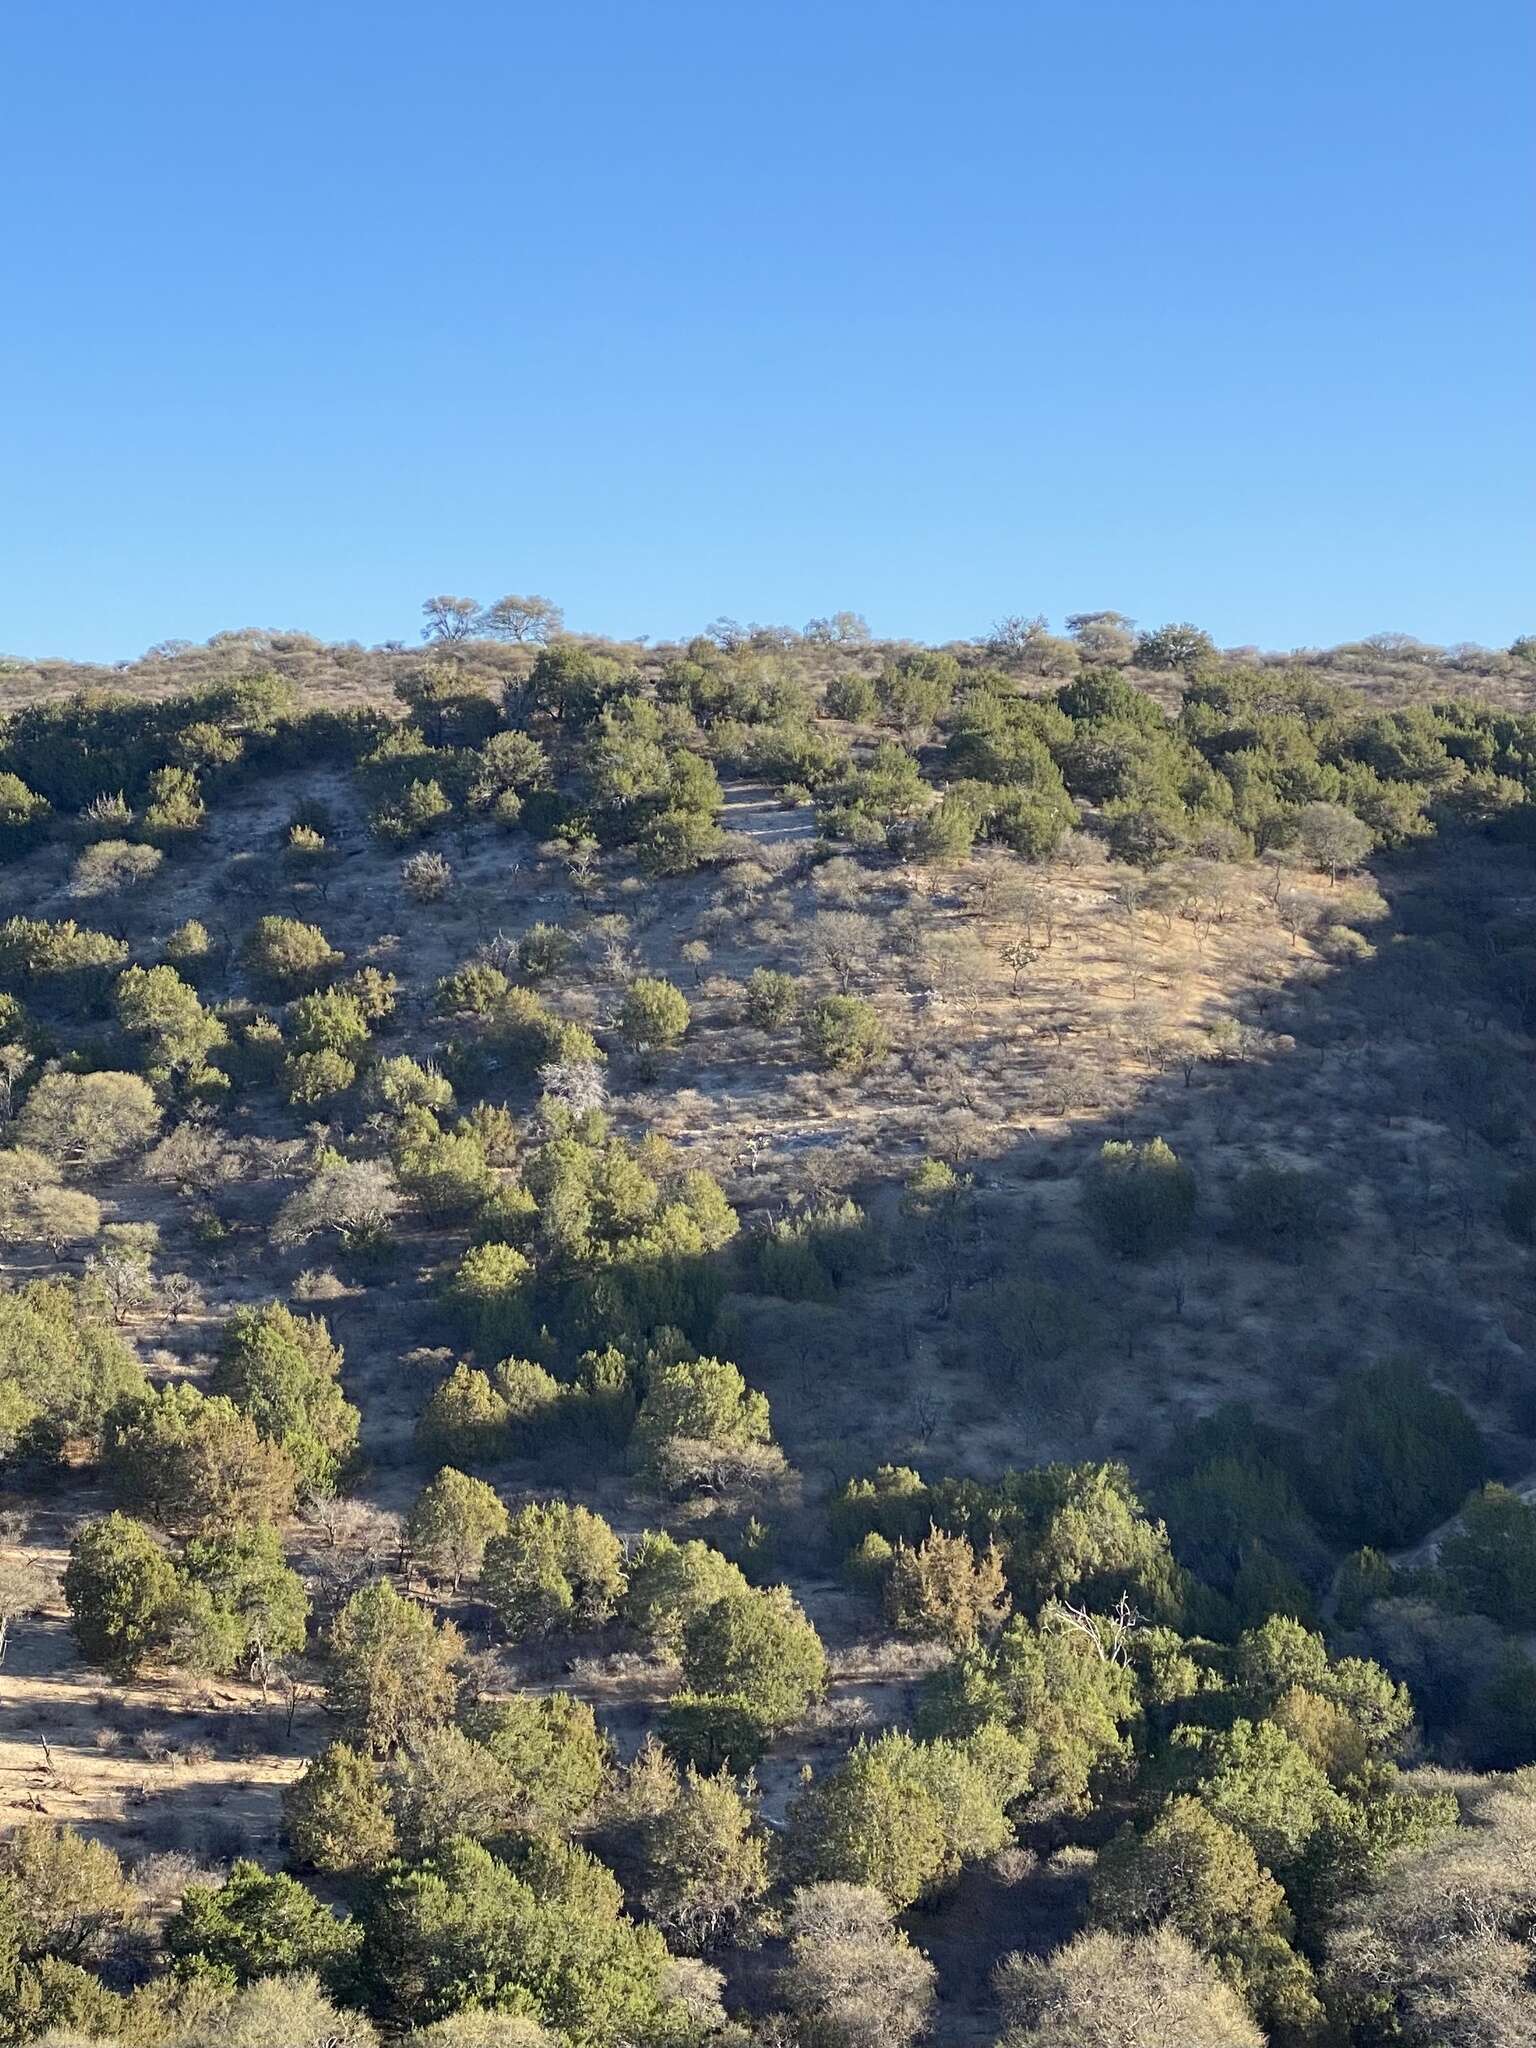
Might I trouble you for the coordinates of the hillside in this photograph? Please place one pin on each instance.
(850, 1299)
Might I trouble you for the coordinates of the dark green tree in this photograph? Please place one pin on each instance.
(284, 1371)
(450, 1524)
(391, 1668)
(336, 1814)
(1140, 1199)
(844, 1033)
(259, 1925)
(464, 1929)
(554, 1567)
(759, 1645)
(1490, 1558)
(120, 1586)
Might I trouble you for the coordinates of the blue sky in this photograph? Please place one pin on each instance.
(1208, 309)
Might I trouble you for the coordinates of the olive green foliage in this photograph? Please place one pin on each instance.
(450, 1524)
(188, 947)
(1191, 1872)
(1140, 1199)
(474, 990)
(120, 1585)
(1402, 1454)
(446, 1172)
(654, 1015)
(390, 1668)
(289, 956)
(1173, 647)
(22, 811)
(508, 762)
(1053, 1683)
(330, 1020)
(543, 950)
(259, 1925)
(851, 696)
(421, 807)
(73, 749)
(402, 1084)
(757, 1645)
(1065, 1532)
(1238, 1496)
(714, 1731)
(1364, 1577)
(446, 1785)
(175, 807)
(844, 1034)
(1252, 1849)
(772, 998)
(64, 1905)
(554, 1567)
(670, 1583)
(618, 1235)
(155, 1005)
(283, 1371)
(194, 1461)
(893, 1503)
(706, 1860)
(551, 1756)
(941, 1588)
(701, 1400)
(36, 1207)
(231, 1603)
(809, 1256)
(63, 1370)
(61, 1895)
(314, 1077)
(1285, 1212)
(1272, 1661)
(931, 1190)
(336, 1815)
(376, 993)
(904, 1816)
(875, 801)
(520, 1032)
(641, 785)
(948, 832)
(61, 965)
(533, 1397)
(1331, 1737)
(1264, 1784)
(466, 1929)
(241, 1606)
(466, 1418)
(602, 1199)
(604, 1386)
(88, 1121)
(1490, 1557)
(51, 2000)
(288, 2011)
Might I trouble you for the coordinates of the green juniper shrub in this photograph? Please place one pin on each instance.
(844, 1034)
(1140, 1199)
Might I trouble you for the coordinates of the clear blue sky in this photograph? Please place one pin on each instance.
(1217, 309)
